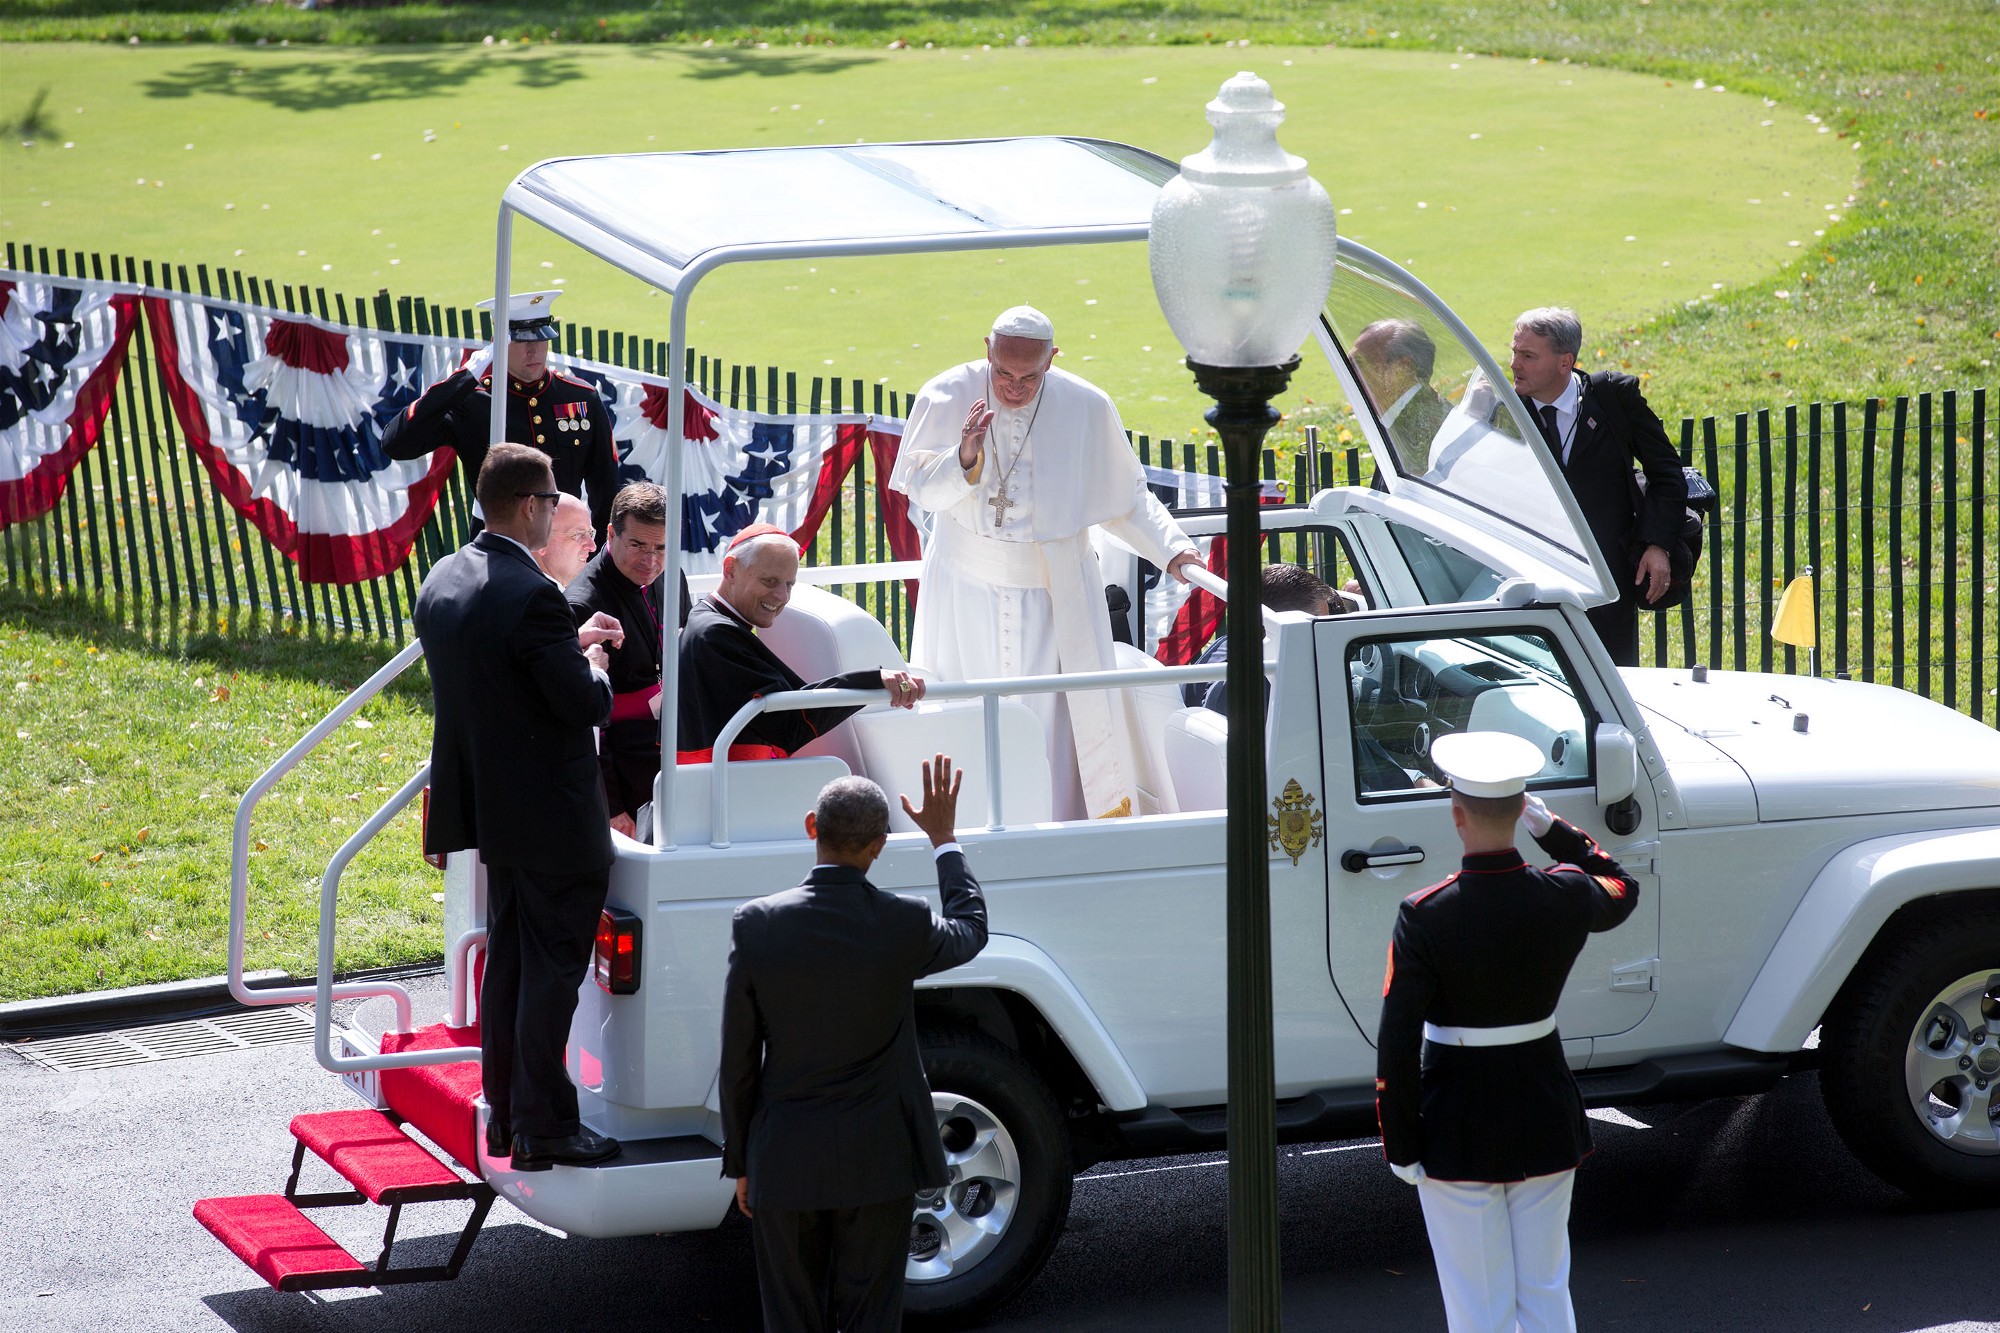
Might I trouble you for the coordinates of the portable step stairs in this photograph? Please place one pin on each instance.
(385, 1166)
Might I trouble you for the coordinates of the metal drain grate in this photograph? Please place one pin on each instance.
(277, 1026)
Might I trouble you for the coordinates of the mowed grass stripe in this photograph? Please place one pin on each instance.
(384, 167)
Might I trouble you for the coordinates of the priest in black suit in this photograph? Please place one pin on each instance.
(827, 1120)
(1598, 426)
(724, 664)
(624, 581)
(517, 690)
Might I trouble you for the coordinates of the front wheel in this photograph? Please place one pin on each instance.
(1911, 1074)
(984, 1236)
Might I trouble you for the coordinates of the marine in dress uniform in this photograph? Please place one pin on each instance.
(724, 664)
(1476, 1104)
(561, 416)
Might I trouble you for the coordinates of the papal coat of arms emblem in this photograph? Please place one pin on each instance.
(1294, 824)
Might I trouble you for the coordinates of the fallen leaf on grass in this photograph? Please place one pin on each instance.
(144, 834)
(364, 724)
(353, 747)
(263, 846)
(219, 695)
(153, 935)
(95, 857)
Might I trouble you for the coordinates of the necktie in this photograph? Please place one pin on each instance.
(1545, 417)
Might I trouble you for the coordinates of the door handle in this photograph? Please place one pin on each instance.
(1355, 860)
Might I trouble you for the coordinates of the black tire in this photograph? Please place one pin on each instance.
(1920, 1020)
(994, 1110)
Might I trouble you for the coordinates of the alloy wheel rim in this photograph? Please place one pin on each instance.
(954, 1228)
(1951, 1067)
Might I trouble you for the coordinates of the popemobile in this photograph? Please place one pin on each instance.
(1819, 860)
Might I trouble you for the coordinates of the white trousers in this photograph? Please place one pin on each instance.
(1502, 1253)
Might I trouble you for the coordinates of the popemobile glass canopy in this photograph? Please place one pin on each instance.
(669, 213)
(1467, 449)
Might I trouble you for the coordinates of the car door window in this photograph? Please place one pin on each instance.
(1407, 692)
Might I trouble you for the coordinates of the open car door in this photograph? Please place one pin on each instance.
(1390, 685)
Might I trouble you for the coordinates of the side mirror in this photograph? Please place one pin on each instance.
(1617, 764)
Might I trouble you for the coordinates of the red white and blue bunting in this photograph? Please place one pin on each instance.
(285, 414)
(62, 346)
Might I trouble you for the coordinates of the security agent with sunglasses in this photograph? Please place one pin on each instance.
(1475, 1099)
(517, 691)
(561, 416)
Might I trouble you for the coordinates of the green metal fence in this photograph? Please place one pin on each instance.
(1889, 502)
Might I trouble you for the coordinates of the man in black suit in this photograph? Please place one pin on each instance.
(1597, 426)
(826, 1115)
(1394, 358)
(517, 689)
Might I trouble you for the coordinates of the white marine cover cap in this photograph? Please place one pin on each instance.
(530, 316)
(1024, 321)
(1486, 763)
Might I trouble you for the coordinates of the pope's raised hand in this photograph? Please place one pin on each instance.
(972, 437)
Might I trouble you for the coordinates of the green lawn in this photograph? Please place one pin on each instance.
(365, 168)
(123, 766)
(1896, 296)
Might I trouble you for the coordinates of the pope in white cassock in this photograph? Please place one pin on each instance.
(1017, 461)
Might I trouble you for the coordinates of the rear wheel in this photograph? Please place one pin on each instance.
(984, 1236)
(1911, 1074)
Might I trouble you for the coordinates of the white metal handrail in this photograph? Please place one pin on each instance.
(325, 992)
(989, 691)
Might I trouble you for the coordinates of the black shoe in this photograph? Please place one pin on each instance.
(499, 1139)
(534, 1153)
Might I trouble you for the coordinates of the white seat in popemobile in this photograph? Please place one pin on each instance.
(1197, 746)
(820, 634)
(768, 798)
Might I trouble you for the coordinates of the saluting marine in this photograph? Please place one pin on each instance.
(561, 416)
(1475, 1100)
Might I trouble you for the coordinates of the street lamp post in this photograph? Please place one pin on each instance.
(1242, 252)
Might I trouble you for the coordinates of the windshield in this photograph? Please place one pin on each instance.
(1444, 425)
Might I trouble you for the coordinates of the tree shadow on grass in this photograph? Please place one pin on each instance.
(324, 85)
(245, 641)
(330, 84)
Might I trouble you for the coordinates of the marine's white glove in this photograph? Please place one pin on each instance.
(1409, 1175)
(1536, 816)
(480, 360)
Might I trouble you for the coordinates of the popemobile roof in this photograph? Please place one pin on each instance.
(661, 215)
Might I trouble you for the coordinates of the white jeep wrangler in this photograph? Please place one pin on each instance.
(1817, 857)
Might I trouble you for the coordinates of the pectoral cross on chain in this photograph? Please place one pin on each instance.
(1001, 503)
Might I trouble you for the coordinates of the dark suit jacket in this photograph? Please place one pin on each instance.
(1614, 426)
(824, 1100)
(629, 752)
(513, 757)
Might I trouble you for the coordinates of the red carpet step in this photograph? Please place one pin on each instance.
(437, 1099)
(375, 1156)
(277, 1240)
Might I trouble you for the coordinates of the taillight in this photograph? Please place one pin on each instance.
(618, 951)
(435, 859)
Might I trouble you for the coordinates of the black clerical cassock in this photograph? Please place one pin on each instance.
(629, 753)
(723, 666)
